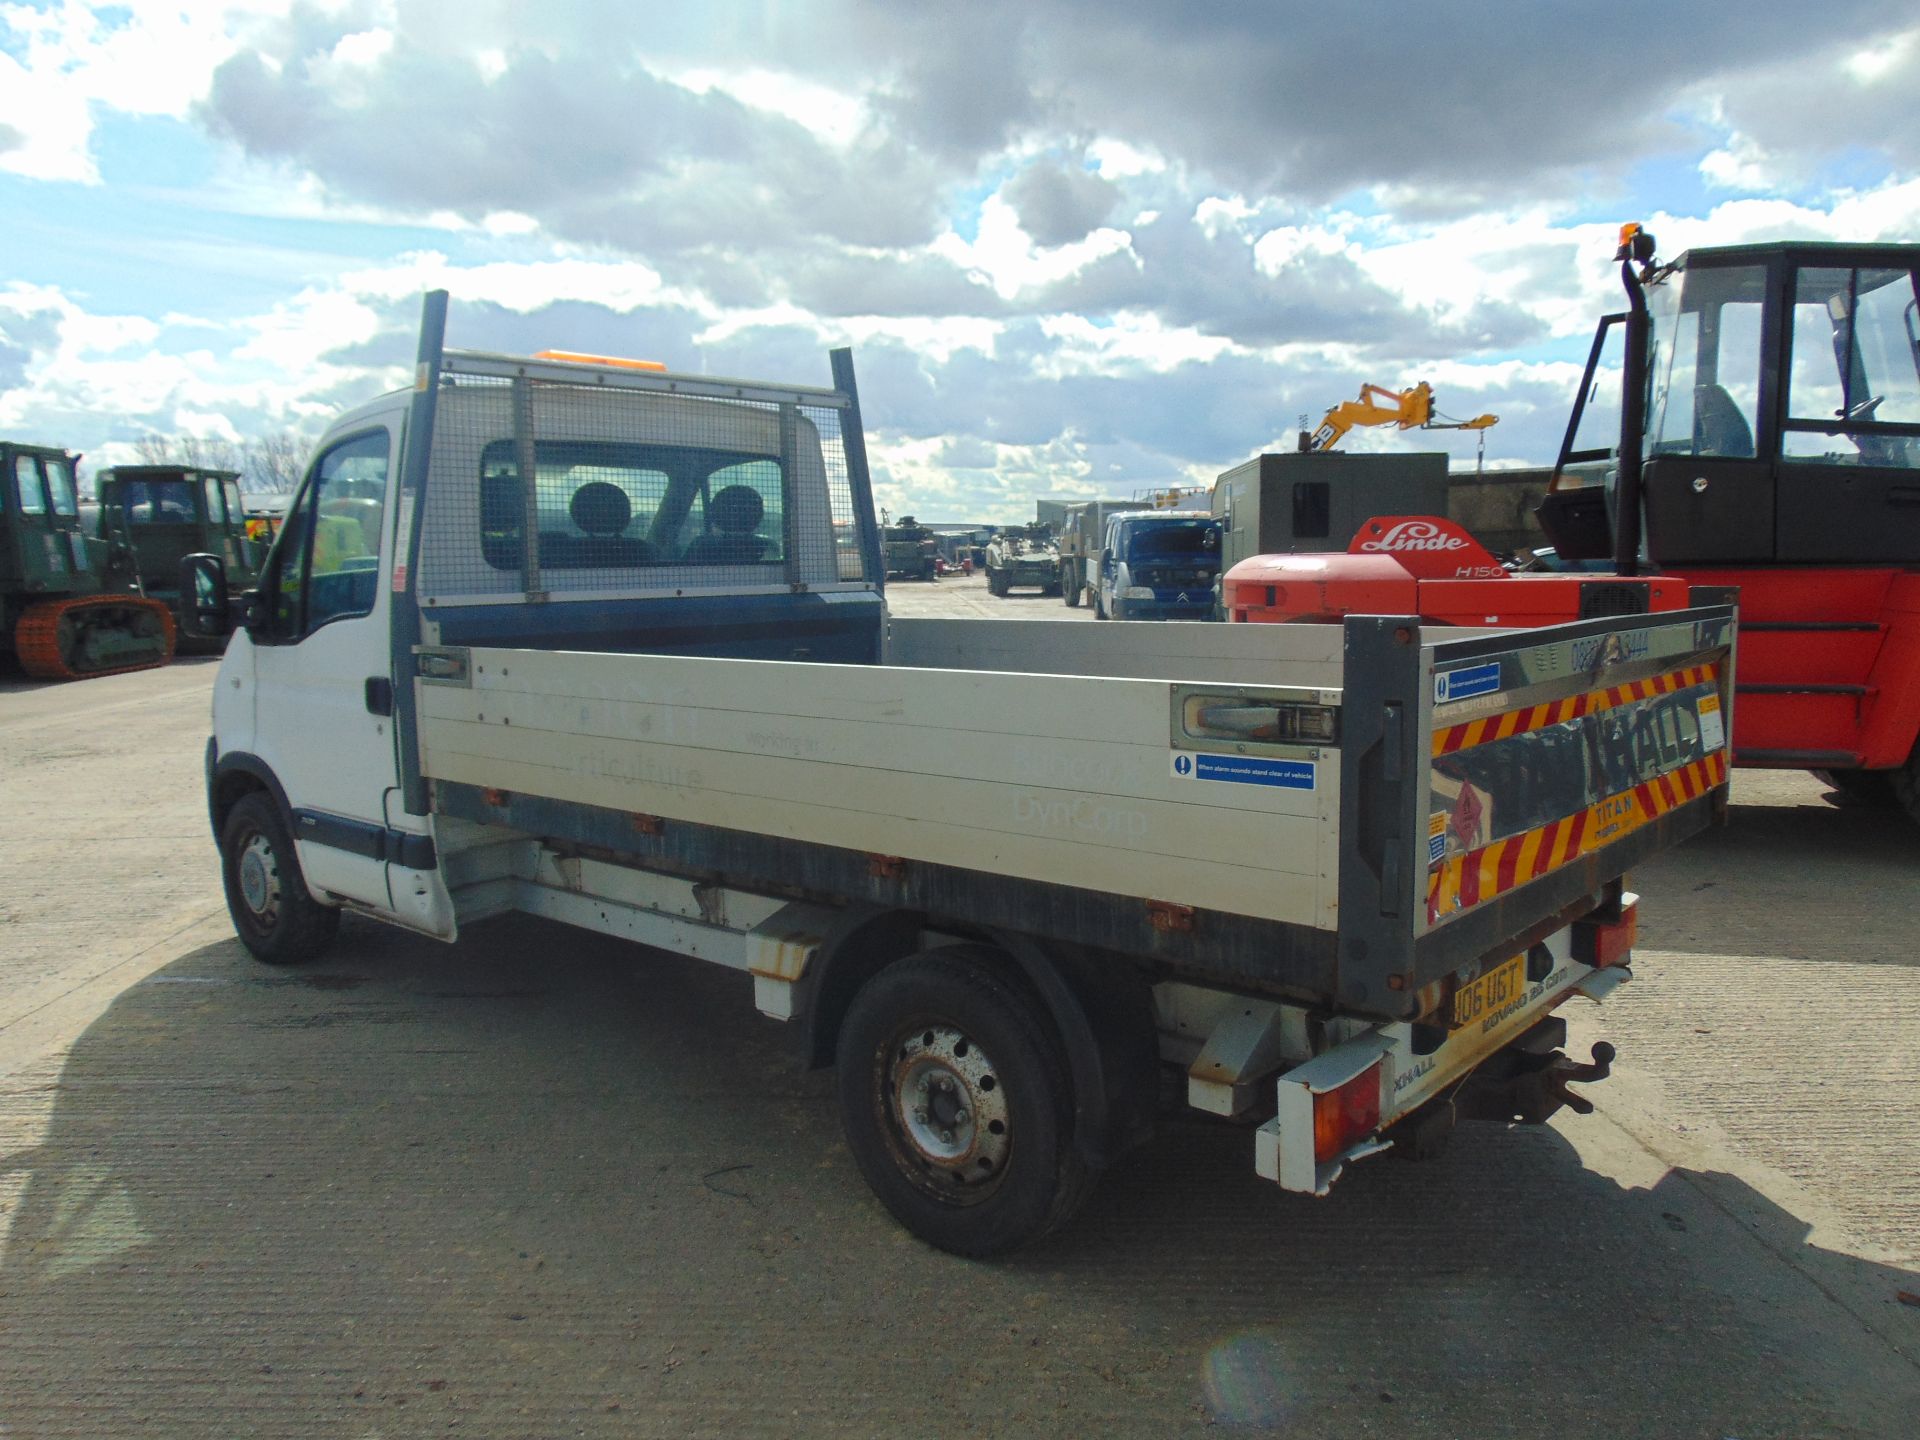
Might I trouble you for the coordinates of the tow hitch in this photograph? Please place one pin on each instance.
(1525, 1083)
(1529, 1087)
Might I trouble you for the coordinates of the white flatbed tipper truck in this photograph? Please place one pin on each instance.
(1003, 875)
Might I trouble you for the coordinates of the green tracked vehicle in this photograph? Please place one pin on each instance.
(65, 613)
(151, 517)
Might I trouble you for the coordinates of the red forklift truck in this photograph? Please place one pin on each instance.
(1768, 441)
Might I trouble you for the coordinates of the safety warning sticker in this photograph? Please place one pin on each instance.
(1466, 682)
(1713, 729)
(1244, 770)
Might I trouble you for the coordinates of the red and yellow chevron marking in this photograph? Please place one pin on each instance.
(1454, 738)
(1463, 881)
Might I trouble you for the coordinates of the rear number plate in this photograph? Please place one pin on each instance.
(1493, 991)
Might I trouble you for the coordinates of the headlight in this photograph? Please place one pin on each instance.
(1137, 592)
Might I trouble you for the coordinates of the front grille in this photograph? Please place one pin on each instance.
(1614, 597)
(1176, 579)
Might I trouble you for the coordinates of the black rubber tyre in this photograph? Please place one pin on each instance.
(273, 913)
(957, 1103)
(1099, 606)
(1905, 785)
(1073, 595)
(1862, 787)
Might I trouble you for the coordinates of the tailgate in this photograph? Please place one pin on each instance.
(1495, 785)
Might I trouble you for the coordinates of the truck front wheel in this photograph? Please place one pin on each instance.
(957, 1103)
(273, 913)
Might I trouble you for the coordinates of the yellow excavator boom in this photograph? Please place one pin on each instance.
(1410, 409)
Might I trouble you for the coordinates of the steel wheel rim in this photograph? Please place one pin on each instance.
(944, 1112)
(258, 875)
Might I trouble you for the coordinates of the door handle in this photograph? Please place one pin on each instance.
(379, 695)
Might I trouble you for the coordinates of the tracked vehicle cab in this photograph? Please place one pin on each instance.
(1778, 396)
(61, 616)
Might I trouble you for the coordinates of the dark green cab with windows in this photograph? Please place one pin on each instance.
(64, 613)
(151, 517)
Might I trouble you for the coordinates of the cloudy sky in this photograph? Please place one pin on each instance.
(1080, 248)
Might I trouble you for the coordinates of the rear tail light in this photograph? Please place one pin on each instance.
(1601, 943)
(1343, 1117)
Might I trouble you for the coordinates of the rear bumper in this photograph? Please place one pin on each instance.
(1503, 1067)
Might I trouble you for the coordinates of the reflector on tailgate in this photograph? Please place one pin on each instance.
(1543, 754)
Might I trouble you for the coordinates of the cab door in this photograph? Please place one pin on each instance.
(1850, 441)
(322, 706)
(1708, 484)
(52, 550)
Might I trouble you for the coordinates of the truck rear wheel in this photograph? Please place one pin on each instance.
(273, 912)
(957, 1103)
(1073, 595)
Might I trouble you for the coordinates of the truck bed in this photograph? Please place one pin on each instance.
(1069, 804)
(1061, 778)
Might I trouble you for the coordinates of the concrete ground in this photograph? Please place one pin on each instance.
(538, 1184)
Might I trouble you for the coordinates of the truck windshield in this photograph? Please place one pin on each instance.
(1704, 363)
(1183, 537)
(158, 502)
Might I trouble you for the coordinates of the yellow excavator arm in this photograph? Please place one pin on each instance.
(1403, 409)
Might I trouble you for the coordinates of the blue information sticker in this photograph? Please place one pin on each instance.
(1245, 770)
(1465, 683)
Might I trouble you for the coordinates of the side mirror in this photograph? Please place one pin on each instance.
(1106, 557)
(206, 611)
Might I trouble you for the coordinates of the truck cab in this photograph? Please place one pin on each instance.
(43, 549)
(152, 516)
(1752, 421)
(1158, 566)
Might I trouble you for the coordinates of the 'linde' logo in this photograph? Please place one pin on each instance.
(1414, 535)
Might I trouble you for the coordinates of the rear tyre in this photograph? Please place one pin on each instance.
(957, 1104)
(1861, 787)
(1073, 595)
(273, 912)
